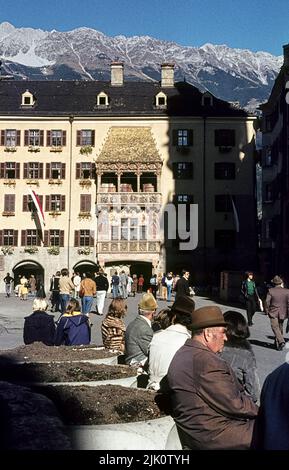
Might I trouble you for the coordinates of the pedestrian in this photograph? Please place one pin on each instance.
(87, 291)
(54, 289)
(23, 291)
(239, 354)
(251, 296)
(32, 284)
(115, 285)
(66, 287)
(101, 290)
(140, 283)
(76, 281)
(277, 308)
(210, 408)
(154, 285)
(8, 280)
(169, 284)
(182, 286)
(134, 284)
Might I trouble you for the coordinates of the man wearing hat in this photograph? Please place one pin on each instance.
(210, 407)
(277, 308)
(166, 343)
(139, 332)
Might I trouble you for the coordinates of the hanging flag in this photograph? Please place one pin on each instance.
(236, 218)
(39, 211)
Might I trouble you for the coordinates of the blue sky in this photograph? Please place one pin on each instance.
(256, 25)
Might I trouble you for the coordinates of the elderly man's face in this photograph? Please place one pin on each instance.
(216, 338)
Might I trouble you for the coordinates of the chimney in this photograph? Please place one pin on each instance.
(286, 55)
(167, 75)
(116, 73)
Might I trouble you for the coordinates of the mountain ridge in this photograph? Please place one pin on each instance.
(84, 53)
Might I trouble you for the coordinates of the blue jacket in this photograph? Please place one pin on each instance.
(73, 330)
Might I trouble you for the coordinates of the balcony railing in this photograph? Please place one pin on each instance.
(123, 246)
(140, 199)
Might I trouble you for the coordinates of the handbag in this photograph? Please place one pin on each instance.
(81, 291)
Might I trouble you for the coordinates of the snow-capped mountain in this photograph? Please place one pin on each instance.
(84, 53)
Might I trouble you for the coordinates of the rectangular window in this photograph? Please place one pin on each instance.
(183, 170)
(8, 237)
(11, 138)
(223, 203)
(10, 170)
(31, 238)
(142, 232)
(85, 202)
(84, 170)
(84, 237)
(55, 170)
(225, 240)
(114, 232)
(124, 229)
(54, 237)
(9, 202)
(55, 202)
(224, 171)
(225, 138)
(34, 137)
(85, 137)
(56, 138)
(34, 170)
(183, 137)
(133, 229)
(28, 205)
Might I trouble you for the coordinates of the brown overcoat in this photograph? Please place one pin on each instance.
(277, 302)
(208, 402)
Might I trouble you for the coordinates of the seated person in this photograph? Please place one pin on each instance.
(113, 327)
(39, 326)
(73, 327)
(166, 343)
(139, 332)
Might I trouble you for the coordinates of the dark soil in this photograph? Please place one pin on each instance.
(29, 421)
(63, 372)
(104, 404)
(39, 352)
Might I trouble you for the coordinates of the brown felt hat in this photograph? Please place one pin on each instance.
(148, 302)
(183, 304)
(206, 317)
(277, 280)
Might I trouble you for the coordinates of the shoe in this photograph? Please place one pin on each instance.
(281, 346)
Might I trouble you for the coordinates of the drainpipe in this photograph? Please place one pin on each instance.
(71, 119)
(204, 194)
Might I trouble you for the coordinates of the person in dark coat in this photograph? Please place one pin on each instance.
(277, 308)
(73, 327)
(209, 406)
(272, 425)
(182, 286)
(251, 296)
(238, 353)
(39, 326)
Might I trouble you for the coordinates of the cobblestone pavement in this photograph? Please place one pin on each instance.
(13, 311)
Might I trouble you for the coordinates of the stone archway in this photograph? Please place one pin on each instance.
(28, 267)
(85, 266)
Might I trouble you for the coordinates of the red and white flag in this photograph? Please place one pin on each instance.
(39, 210)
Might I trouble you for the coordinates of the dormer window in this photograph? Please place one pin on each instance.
(207, 99)
(27, 99)
(102, 99)
(161, 100)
